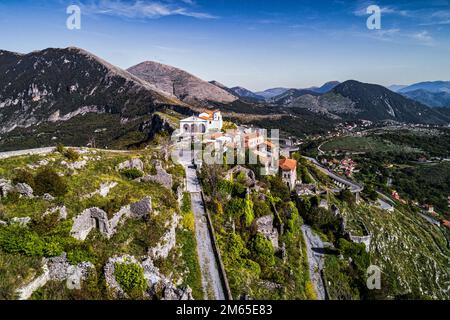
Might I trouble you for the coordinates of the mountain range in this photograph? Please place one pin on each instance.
(430, 93)
(74, 97)
(66, 95)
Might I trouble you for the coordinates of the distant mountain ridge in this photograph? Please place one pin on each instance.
(377, 103)
(245, 93)
(431, 86)
(328, 86)
(180, 84)
(430, 93)
(353, 100)
(428, 98)
(271, 93)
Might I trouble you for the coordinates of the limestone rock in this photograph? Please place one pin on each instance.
(250, 178)
(96, 218)
(87, 220)
(48, 197)
(110, 279)
(161, 177)
(130, 164)
(21, 221)
(6, 187)
(24, 189)
(264, 225)
(58, 269)
(141, 208)
(167, 242)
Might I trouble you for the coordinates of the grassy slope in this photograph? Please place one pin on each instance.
(408, 249)
(133, 237)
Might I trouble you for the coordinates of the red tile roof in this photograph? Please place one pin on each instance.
(446, 223)
(288, 164)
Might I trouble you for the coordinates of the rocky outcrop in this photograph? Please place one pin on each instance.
(6, 187)
(264, 225)
(57, 269)
(110, 278)
(48, 197)
(250, 178)
(131, 164)
(24, 189)
(89, 219)
(96, 218)
(20, 221)
(168, 241)
(62, 210)
(156, 281)
(141, 208)
(77, 165)
(104, 189)
(161, 177)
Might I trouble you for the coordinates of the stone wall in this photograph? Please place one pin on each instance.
(57, 269)
(96, 218)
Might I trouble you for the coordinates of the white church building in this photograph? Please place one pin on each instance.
(206, 122)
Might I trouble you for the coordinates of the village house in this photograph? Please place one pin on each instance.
(288, 169)
(253, 139)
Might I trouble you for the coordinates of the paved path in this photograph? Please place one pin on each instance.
(315, 250)
(212, 284)
(9, 154)
(46, 150)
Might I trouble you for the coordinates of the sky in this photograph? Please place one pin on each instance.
(257, 44)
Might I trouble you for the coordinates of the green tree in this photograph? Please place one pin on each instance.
(262, 251)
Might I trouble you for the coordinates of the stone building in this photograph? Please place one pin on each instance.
(288, 169)
(209, 121)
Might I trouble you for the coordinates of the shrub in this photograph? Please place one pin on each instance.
(72, 154)
(24, 176)
(310, 291)
(130, 278)
(233, 248)
(262, 251)
(16, 239)
(186, 203)
(261, 208)
(249, 215)
(132, 173)
(79, 255)
(60, 148)
(48, 181)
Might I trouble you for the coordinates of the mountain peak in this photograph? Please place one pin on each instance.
(180, 84)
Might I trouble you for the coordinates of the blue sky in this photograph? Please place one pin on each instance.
(255, 44)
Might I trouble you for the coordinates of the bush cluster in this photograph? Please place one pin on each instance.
(132, 173)
(131, 279)
(46, 180)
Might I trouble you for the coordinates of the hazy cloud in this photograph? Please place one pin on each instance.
(145, 9)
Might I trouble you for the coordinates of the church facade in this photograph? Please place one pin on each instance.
(206, 122)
